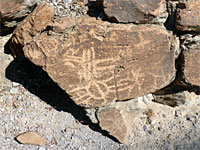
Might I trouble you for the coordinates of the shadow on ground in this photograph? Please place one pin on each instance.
(37, 81)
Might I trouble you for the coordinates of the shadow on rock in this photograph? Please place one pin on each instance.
(36, 81)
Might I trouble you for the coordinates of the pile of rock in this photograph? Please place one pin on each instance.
(109, 66)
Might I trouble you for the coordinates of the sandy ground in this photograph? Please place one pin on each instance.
(31, 101)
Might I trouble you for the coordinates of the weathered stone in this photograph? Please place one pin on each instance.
(13, 11)
(112, 121)
(191, 56)
(31, 137)
(137, 11)
(188, 15)
(192, 67)
(30, 27)
(118, 118)
(139, 103)
(177, 99)
(96, 62)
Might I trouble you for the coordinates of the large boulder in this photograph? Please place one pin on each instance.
(13, 11)
(136, 11)
(97, 62)
(188, 15)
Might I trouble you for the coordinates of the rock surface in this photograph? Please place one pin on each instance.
(127, 11)
(90, 59)
(30, 27)
(176, 99)
(31, 137)
(191, 55)
(13, 11)
(118, 118)
(188, 15)
(96, 62)
(192, 67)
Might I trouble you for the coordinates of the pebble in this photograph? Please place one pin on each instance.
(19, 98)
(13, 90)
(196, 123)
(90, 141)
(31, 137)
(53, 141)
(15, 84)
(145, 128)
(41, 148)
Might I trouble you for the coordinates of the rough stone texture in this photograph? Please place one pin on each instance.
(192, 67)
(96, 62)
(176, 99)
(188, 15)
(112, 121)
(118, 118)
(191, 55)
(31, 137)
(136, 11)
(13, 11)
(30, 27)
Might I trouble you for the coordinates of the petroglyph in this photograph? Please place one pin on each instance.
(102, 62)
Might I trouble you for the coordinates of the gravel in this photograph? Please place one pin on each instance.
(31, 101)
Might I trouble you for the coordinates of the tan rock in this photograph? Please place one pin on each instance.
(192, 67)
(112, 121)
(31, 137)
(191, 55)
(188, 15)
(118, 118)
(116, 122)
(13, 11)
(29, 27)
(137, 11)
(96, 62)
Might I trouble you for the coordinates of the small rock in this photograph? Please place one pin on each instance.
(67, 130)
(19, 98)
(90, 141)
(196, 123)
(176, 99)
(14, 84)
(54, 141)
(13, 90)
(190, 119)
(41, 148)
(31, 137)
(145, 128)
